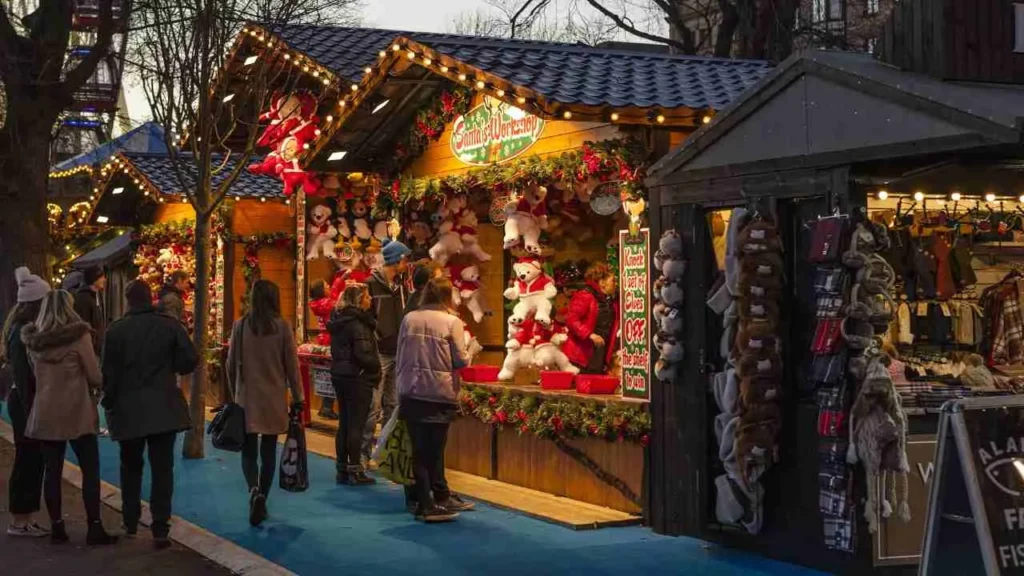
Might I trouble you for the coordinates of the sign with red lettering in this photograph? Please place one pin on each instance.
(494, 132)
(635, 311)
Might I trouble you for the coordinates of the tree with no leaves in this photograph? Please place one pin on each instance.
(39, 83)
(178, 54)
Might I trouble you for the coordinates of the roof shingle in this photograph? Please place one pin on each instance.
(159, 169)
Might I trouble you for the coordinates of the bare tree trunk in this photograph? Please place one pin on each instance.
(726, 29)
(193, 446)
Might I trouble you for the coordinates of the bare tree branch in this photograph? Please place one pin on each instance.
(77, 76)
(622, 23)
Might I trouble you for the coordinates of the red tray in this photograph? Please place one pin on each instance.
(596, 384)
(556, 380)
(481, 373)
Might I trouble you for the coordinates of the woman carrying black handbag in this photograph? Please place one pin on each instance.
(262, 364)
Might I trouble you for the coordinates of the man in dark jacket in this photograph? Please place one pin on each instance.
(172, 295)
(144, 351)
(388, 296)
(88, 304)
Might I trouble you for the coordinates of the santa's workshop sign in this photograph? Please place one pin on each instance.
(494, 132)
(635, 306)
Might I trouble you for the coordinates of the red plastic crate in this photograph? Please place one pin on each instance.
(556, 380)
(596, 384)
(481, 373)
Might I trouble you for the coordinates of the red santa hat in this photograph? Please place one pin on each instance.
(308, 103)
(455, 271)
(531, 260)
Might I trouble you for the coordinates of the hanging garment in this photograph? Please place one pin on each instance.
(924, 274)
(960, 265)
(945, 287)
(903, 316)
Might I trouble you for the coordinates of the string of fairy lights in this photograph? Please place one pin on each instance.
(955, 196)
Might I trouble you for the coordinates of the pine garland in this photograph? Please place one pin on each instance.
(252, 244)
(428, 126)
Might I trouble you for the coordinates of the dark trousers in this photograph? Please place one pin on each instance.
(26, 484)
(87, 449)
(355, 399)
(161, 467)
(428, 443)
(259, 461)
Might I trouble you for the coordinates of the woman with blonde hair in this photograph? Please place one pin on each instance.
(68, 381)
(355, 372)
(262, 364)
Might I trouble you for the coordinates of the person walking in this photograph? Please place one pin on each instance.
(89, 304)
(355, 372)
(388, 294)
(68, 380)
(262, 361)
(171, 300)
(144, 352)
(431, 348)
(25, 488)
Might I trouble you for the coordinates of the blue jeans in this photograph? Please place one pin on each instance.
(385, 400)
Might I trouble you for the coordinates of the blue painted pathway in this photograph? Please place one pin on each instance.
(331, 529)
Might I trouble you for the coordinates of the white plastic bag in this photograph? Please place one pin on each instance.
(385, 432)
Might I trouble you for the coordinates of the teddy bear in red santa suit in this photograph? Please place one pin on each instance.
(533, 289)
(519, 350)
(466, 280)
(527, 218)
(547, 351)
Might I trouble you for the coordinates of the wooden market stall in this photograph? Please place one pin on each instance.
(420, 134)
(828, 145)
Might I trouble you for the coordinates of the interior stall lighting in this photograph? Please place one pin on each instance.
(990, 197)
(380, 106)
(118, 190)
(955, 196)
(252, 60)
(883, 194)
(335, 156)
(1021, 198)
(919, 196)
(228, 98)
(102, 219)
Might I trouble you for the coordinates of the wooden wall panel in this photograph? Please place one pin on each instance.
(469, 447)
(173, 212)
(276, 264)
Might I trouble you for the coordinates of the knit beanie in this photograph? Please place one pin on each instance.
(394, 251)
(31, 288)
(93, 274)
(138, 294)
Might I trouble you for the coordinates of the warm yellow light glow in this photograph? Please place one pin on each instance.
(882, 194)
(706, 119)
(919, 196)
(480, 85)
(955, 196)
(660, 119)
(615, 116)
(462, 77)
(567, 115)
(990, 197)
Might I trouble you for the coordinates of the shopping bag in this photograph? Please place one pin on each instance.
(395, 460)
(382, 440)
(294, 472)
(227, 430)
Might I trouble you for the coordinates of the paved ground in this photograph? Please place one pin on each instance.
(136, 557)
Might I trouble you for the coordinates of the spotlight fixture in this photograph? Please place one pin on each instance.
(955, 196)
(919, 196)
(990, 197)
(883, 194)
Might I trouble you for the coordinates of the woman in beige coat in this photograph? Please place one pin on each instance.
(262, 365)
(64, 410)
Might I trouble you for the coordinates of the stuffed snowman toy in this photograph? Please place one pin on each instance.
(466, 280)
(534, 291)
(321, 233)
(519, 351)
(547, 348)
(527, 218)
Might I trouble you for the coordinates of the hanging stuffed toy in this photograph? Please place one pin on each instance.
(321, 233)
(465, 226)
(527, 218)
(418, 234)
(466, 279)
(449, 241)
(519, 351)
(473, 347)
(547, 348)
(321, 304)
(291, 173)
(360, 221)
(533, 290)
(306, 130)
(284, 115)
(669, 257)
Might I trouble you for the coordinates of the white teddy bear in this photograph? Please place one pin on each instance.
(466, 281)
(519, 351)
(466, 223)
(533, 289)
(360, 221)
(473, 347)
(527, 218)
(449, 242)
(321, 233)
(547, 349)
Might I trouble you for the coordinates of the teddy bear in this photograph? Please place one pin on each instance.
(306, 130)
(670, 320)
(533, 289)
(465, 226)
(519, 351)
(418, 233)
(321, 233)
(165, 258)
(449, 241)
(547, 348)
(473, 346)
(360, 222)
(466, 280)
(527, 218)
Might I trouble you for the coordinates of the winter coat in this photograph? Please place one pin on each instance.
(88, 308)
(260, 369)
(581, 320)
(21, 368)
(144, 353)
(354, 357)
(432, 348)
(388, 306)
(67, 373)
(171, 302)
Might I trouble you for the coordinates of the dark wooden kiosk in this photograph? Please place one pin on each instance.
(828, 131)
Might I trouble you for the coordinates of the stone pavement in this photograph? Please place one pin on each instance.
(129, 556)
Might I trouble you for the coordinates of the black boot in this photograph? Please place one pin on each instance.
(258, 511)
(58, 533)
(97, 536)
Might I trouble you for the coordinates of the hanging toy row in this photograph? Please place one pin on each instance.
(667, 309)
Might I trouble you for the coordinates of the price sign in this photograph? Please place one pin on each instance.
(635, 315)
(321, 378)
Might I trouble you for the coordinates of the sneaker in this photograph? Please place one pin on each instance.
(26, 531)
(130, 531)
(360, 479)
(97, 536)
(37, 528)
(436, 514)
(58, 533)
(161, 542)
(258, 512)
(456, 504)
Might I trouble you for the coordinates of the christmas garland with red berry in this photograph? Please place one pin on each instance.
(428, 126)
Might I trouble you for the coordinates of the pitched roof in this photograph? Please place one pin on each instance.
(148, 137)
(564, 73)
(159, 170)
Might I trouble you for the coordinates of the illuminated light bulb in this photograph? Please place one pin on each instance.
(660, 119)
(305, 68)
(383, 54)
(427, 61)
(919, 196)
(316, 74)
(341, 103)
(367, 70)
(462, 77)
(706, 119)
(330, 118)
(305, 146)
(287, 56)
(317, 132)
(395, 47)
(263, 198)
(567, 115)
(990, 197)
(444, 69)
(480, 84)
(955, 196)
(521, 100)
(355, 87)
(500, 93)
(615, 116)
(882, 194)
(1021, 198)
(411, 55)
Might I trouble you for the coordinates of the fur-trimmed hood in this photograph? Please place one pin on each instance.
(44, 344)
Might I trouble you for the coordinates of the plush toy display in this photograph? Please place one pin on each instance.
(519, 351)
(284, 115)
(527, 219)
(360, 221)
(547, 348)
(321, 304)
(449, 241)
(473, 347)
(321, 233)
(533, 289)
(465, 226)
(466, 280)
(291, 173)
